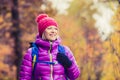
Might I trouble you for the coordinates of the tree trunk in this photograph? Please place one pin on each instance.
(15, 33)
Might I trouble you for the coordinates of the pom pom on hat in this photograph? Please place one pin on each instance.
(40, 17)
(44, 21)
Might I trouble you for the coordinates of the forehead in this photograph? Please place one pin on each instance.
(51, 27)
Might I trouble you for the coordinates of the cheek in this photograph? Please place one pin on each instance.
(57, 34)
(46, 35)
(46, 32)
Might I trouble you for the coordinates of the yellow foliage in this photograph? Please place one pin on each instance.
(108, 69)
(4, 49)
(116, 20)
(115, 41)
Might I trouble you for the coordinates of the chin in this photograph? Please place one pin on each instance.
(52, 39)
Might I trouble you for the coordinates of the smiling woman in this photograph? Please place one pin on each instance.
(52, 61)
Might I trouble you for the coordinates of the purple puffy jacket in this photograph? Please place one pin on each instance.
(45, 71)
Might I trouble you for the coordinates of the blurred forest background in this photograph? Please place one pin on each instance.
(89, 27)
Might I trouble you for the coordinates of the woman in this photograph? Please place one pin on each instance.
(47, 41)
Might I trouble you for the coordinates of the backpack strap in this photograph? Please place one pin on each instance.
(61, 49)
(34, 57)
(34, 53)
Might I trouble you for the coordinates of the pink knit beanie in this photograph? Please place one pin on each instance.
(44, 21)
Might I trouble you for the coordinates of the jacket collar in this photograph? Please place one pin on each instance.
(45, 44)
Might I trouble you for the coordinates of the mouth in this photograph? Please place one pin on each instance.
(52, 35)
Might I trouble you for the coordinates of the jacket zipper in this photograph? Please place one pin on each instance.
(51, 66)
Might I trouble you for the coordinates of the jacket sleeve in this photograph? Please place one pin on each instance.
(73, 72)
(26, 66)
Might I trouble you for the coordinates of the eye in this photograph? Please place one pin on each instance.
(56, 28)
